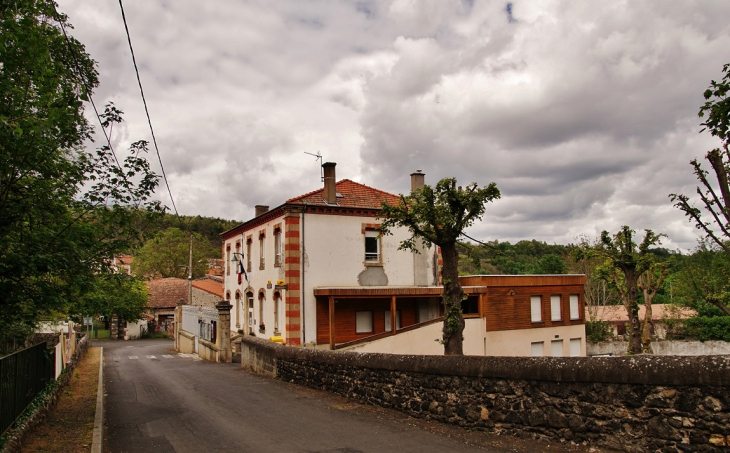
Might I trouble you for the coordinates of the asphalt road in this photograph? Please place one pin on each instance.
(159, 401)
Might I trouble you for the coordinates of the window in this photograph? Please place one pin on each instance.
(388, 320)
(278, 251)
(555, 314)
(575, 347)
(262, 250)
(470, 305)
(248, 254)
(536, 308)
(536, 349)
(556, 348)
(262, 326)
(364, 322)
(251, 321)
(574, 307)
(238, 307)
(372, 246)
(277, 300)
(228, 259)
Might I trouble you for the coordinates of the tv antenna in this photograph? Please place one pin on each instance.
(319, 157)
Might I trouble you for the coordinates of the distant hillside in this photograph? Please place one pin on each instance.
(208, 227)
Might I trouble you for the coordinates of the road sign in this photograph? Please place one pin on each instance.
(88, 321)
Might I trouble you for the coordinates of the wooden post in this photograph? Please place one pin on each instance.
(332, 322)
(393, 316)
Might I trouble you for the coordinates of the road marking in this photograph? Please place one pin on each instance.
(167, 356)
(133, 357)
(151, 357)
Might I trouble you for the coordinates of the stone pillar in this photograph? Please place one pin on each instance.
(178, 323)
(223, 336)
(114, 327)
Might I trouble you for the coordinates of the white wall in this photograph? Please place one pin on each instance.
(333, 254)
(518, 343)
(673, 347)
(424, 341)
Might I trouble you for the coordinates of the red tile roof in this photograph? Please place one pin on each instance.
(165, 292)
(354, 195)
(617, 313)
(209, 286)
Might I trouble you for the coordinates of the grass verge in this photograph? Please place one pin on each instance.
(69, 426)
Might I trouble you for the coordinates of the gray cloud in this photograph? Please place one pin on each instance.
(584, 114)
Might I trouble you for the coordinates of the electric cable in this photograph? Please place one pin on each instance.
(144, 101)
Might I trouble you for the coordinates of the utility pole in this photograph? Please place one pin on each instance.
(190, 273)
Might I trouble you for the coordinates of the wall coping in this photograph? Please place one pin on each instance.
(187, 335)
(208, 345)
(637, 369)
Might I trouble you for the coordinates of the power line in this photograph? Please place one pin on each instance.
(144, 101)
(86, 91)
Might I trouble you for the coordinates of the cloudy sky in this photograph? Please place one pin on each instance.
(583, 113)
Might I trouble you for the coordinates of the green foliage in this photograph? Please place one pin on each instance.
(523, 257)
(703, 280)
(113, 294)
(208, 227)
(65, 211)
(706, 328)
(597, 331)
(439, 215)
(163, 255)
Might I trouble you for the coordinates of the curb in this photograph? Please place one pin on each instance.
(98, 436)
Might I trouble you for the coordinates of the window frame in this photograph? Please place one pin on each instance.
(278, 247)
(556, 305)
(533, 312)
(577, 316)
(371, 233)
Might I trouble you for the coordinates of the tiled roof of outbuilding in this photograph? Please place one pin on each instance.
(209, 286)
(165, 292)
(354, 195)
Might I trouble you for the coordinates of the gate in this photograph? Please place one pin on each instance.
(208, 324)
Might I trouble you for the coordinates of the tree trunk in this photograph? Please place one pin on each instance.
(648, 324)
(632, 309)
(453, 331)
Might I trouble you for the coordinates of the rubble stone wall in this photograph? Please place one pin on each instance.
(636, 403)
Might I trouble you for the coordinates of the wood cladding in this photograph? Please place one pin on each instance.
(508, 308)
(345, 313)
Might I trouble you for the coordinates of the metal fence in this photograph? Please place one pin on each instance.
(190, 319)
(23, 375)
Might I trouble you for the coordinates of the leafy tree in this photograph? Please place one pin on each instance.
(114, 294)
(439, 215)
(625, 263)
(208, 227)
(703, 280)
(65, 212)
(168, 254)
(714, 203)
(549, 264)
(583, 260)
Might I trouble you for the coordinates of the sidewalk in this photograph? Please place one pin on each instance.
(70, 425)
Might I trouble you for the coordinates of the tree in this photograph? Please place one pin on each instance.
(114, 294)
(624, 265)
(439, 215)
(717, 205)
(168, 254)
(65, 212)
(703, 280)
(583, 260)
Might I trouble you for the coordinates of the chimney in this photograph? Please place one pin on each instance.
(261, 209)
(330, 191)
(417, 180)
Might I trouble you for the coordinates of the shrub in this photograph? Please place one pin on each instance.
(597, 331)
(708, 328)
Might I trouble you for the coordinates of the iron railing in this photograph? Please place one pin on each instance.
(23, 375)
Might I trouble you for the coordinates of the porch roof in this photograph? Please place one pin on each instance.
(389, 291)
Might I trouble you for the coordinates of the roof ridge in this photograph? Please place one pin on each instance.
(294, 199)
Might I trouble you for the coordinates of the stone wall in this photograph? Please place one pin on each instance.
(668, 347)
(636, 403)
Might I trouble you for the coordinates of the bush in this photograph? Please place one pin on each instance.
(708, 328)
(598, 331)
